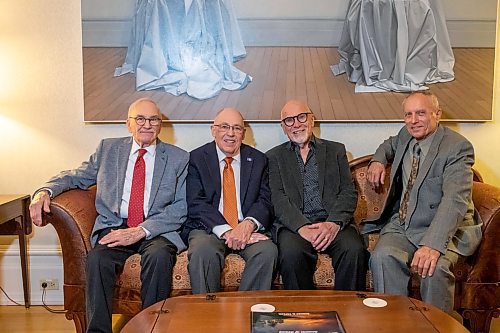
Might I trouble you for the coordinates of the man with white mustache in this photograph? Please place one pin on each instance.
(314, 200)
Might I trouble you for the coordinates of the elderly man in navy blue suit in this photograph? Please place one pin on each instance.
(229, 208)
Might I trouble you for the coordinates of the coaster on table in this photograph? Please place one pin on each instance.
(374, 302)
(262, 308)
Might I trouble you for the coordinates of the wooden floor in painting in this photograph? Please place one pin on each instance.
(283, 73)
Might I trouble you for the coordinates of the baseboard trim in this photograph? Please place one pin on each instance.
(288, 32)
(44, 263)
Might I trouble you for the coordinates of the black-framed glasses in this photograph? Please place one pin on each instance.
(301, 118)
(141, 121)
(226, 127)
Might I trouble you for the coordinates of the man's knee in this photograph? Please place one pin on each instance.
(350, 245)
(203, 249)
(442, 275)
(98, 257)
(291, 254)
(161, 254)
(268, 249)
(290, 247)
(382, 254)
(265, 254)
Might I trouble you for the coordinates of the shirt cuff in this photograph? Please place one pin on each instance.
(221, 229)
(46, 189)
(148, 234)
(257, 223)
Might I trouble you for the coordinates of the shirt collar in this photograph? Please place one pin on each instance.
(313, 142)
(221, 156)
(151, 149)
(424, 144)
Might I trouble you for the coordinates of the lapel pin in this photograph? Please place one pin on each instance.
(249, 159)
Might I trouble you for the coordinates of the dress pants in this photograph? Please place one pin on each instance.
(390, 265)
(206, 254)
(158, 256)
(297, 260)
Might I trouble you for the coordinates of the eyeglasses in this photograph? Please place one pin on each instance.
(301, 118)
(225, 128)
(141, 121)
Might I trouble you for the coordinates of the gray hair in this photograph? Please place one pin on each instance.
(132, 106)
(428, 94)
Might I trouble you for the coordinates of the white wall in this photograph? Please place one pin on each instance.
(42, 129)
(290, 22)
(455, 9)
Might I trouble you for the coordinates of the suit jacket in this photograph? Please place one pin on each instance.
(440, 210)
(106, 168)
(204, 188)
(335, 184)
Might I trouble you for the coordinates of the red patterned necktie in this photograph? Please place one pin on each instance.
(403, 207)
(136, 202)
(230, 209)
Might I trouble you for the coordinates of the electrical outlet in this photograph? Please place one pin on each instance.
(49, 284)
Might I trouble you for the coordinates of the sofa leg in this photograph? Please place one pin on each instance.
(479, 321)
(79, 319)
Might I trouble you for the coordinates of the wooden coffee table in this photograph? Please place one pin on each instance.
(230, 312)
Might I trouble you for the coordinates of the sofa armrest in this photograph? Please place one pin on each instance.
(73, 216)
(482, 286)
(370, 201)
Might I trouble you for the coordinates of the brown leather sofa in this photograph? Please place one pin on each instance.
(477, 294)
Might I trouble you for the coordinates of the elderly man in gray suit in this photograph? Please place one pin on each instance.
(141, 204)
(429, 220)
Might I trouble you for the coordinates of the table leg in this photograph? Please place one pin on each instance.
(24, 267)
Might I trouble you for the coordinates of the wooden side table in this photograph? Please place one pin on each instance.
(15, 220)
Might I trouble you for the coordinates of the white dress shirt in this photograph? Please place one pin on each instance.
(149, 159)
(236, 165)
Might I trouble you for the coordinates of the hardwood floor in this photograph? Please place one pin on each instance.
(282, 73)
(16, 319)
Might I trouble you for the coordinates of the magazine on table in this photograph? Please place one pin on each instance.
(296, 322)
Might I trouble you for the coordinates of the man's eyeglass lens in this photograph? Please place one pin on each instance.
(226, 128)
(301, 118)
(142, 120)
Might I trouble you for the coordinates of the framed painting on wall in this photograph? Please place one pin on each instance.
(286, 57)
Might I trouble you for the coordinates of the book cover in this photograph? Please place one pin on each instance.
(296, 322)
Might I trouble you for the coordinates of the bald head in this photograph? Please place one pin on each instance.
(294, 107)
(228, 131)
(229, 114)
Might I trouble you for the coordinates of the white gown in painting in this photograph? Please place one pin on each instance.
(395, 45)
(185, 46)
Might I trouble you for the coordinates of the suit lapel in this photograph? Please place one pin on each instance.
(161, 158)
(398, 157)
(121, 168)
(245, 171)
(291, 167)
(321, 160)
(430, 157)
(213, 167)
